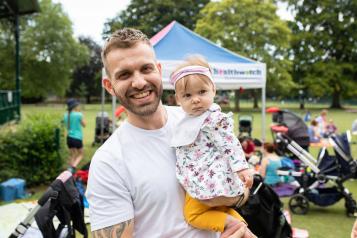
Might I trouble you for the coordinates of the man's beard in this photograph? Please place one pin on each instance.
(145, 109)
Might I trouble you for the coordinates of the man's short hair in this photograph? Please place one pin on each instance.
(122, 39)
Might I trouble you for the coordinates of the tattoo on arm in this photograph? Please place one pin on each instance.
(112, 231)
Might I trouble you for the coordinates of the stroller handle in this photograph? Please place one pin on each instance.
(50, 193)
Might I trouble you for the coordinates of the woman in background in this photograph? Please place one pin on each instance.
(73, 121)
(271, 162)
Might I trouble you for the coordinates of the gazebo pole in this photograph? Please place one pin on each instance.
(17, 65)
(263, 113)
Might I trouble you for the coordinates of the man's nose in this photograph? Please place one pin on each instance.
(138, 81)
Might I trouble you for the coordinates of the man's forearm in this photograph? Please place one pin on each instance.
(121, 230)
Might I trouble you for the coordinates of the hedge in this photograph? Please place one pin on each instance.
(33, 150)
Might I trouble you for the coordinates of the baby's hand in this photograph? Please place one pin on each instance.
(246, 175)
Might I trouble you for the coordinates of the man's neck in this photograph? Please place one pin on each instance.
(153, 122)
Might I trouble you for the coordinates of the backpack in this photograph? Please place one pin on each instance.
(263, 212)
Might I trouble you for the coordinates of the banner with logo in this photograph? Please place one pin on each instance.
(226, 76)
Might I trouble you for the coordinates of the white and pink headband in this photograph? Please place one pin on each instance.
(188, 70)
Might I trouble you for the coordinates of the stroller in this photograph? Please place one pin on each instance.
(245, 125)
(102, 128)
(62, 200)
(314, 176)
(263, 212)
(297, 129)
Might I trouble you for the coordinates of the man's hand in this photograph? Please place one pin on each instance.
(354, 230)
(238, 230)
(246, 175)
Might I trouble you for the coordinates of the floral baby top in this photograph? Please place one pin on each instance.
(209, 155)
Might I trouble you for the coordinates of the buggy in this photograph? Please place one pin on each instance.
(316, 176)
(102, 128)
(245, 125)
(63, 200)
(290, 124)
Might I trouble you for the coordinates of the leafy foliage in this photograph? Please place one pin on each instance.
(252, 29)
(49, 52)
(32, 150)
(324, 47)
(87, 78)
(150, 16)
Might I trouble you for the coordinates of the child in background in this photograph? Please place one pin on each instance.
(210, 159)
(331, 128)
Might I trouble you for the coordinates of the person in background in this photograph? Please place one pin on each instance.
(74, 121)
(354, 127)
(248, 147)
(132, 187)
(313, 132)
(322, 123)
(307, 116)
(331, 128)
(210, 161)
(271, 162)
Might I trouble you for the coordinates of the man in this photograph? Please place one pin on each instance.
(132, 188)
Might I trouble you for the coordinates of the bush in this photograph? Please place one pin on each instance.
(32, 150)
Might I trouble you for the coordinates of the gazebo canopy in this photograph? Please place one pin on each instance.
(10, 8)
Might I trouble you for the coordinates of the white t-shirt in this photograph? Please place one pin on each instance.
(132, 176)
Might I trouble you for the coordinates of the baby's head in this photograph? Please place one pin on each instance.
(194, 87)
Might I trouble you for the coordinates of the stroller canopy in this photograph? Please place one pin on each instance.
(297, 129)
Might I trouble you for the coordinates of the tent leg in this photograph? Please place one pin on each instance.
(263, 114)
(114, 106)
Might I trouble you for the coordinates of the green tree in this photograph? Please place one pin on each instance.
(49, 52)
(252, 29)
(7, 55)
(325, 49)
(151, 16)
(87, 78)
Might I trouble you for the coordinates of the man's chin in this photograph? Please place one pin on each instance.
(146, 109)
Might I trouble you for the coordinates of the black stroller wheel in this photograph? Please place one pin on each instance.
(299, 204)
(351, 207)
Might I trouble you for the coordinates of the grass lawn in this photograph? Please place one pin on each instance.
(320, 222)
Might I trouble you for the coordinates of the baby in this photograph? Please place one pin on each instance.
(210, 160)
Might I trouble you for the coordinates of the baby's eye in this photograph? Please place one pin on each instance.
(187, 95)
(203, 91)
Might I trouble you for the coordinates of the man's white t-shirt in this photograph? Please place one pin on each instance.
(132, 176)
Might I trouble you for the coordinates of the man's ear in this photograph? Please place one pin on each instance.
(108, 86)
(158, 65)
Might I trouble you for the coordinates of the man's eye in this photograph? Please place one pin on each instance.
(123, 75)
(148, 69)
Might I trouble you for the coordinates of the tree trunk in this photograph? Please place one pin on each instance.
(255, 99)
(236, 100)
(302, 103)
(336, 99)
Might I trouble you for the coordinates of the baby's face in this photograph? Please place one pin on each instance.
(196, 97)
